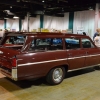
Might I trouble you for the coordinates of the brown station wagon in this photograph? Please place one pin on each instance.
(35, 55)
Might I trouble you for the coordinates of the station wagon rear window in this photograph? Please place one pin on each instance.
(18, 40)
(12, 40)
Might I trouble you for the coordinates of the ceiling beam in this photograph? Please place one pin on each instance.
(12, 3)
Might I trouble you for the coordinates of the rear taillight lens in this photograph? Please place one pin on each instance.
(14, 62)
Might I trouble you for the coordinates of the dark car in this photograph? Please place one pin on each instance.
(49, 55)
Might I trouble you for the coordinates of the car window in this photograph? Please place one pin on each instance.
(46, 44)
(86, 43)
(72, 43)
(18, 40)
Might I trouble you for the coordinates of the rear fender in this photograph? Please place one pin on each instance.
(66, 66)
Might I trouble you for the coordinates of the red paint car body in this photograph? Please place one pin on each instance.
(35, 55)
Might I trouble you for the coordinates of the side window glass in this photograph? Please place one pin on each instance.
(40, 44)
(72, 43)
(86, 43)
(56, 44)
(46, 44)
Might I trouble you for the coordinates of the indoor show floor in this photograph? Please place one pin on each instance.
(78, 85)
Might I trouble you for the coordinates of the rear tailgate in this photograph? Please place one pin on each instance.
(6, 56)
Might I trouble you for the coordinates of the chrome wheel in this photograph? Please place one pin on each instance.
(57, 75)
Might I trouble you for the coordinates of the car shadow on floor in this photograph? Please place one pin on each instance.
(79, 72)
(42, 82)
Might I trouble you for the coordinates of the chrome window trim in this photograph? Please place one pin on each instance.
(41, 62)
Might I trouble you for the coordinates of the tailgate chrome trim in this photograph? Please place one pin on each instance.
(12, 74)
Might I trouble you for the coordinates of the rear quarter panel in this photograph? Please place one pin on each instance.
(40, 63)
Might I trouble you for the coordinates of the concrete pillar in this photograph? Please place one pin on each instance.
(71, 20)
(5, 22)
(20, 24)
(96, 16)
(41, 21)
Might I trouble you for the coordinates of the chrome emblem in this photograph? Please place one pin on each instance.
(1, 52)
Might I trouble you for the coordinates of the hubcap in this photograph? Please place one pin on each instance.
(57, 75)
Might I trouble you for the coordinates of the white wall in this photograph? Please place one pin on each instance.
(59, 23)
(12, 24)
(1, 24)
(84, 19)
(34, 23)
(99, 20)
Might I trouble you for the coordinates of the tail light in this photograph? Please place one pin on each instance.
(14, 62)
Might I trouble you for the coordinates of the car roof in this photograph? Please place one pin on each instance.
(48, 34)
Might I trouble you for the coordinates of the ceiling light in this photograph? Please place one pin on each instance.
(18, 0)
(43, 1)
(26, 0)
(6, 11)
(10, 6)
(90, 8)
(15, 17)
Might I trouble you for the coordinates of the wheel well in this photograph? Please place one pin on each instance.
(65, 66)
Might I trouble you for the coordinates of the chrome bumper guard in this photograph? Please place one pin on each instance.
(11, 74)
